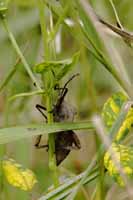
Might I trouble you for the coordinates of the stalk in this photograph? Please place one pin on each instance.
(48, 81)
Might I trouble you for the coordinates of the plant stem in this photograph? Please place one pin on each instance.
(49, 103)
(17, 49)
(42, 7)
(100, 193)
(115, 13)
(10, 74)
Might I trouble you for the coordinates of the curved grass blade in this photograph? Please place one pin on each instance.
(27, 94)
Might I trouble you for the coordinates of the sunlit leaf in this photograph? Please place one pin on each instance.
(124, 156)
(68, 66)
(111, 111)
(18, 176)
(62, 66)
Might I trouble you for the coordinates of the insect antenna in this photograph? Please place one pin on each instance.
(69, 81)
(64, 90)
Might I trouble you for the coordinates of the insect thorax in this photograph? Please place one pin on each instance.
(64, 112)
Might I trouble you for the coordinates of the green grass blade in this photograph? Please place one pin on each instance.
(19, 132)
(93, 35)
(27, 94)
(67, 187)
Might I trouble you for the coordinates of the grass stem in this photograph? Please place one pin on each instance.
(48, 81)
(17, 49)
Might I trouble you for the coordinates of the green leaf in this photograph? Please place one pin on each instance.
(68, 66)
(46, 66)
(18, 176)
(19, 132)
(124, 156)
(110, 112)
(62, 66)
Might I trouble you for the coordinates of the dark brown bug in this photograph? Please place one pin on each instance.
(65, 141)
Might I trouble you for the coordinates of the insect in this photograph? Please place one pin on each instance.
(65, 141)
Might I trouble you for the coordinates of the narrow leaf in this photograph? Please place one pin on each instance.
(66, 188)
(19, 132)
(27, 94)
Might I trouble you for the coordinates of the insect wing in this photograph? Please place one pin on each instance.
(64, 143)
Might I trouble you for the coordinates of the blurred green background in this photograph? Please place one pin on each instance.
(87, 93)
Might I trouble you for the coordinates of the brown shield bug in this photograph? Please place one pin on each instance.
(65, 141)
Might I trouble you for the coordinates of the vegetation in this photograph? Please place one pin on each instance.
(72, 60)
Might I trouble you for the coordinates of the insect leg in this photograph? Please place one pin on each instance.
(37, 144)
(38, 139)
(76, 141)
(40, 108)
